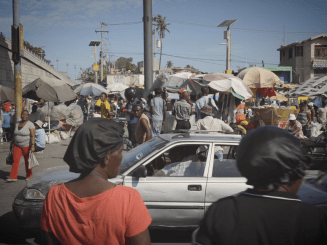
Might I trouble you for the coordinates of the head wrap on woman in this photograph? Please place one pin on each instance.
(269, 157)
(93, 140)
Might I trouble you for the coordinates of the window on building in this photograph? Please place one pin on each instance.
(321, 52)
(290, 53)
(298, 51)
(282, 55)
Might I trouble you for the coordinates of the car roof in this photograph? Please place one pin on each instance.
(201, 135)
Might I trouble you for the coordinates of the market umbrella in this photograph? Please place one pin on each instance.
(256, 77)
(90, 88)
(6, 93)
(217, 76)
(116, 87)
(49, 89)
(233, 85)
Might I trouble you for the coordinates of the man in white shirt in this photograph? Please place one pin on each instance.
(209, 123)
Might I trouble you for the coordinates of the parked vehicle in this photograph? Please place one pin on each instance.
(178, 176)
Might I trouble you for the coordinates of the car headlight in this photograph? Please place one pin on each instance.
(33, 194)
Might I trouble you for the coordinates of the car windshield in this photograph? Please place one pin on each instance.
(133, 156)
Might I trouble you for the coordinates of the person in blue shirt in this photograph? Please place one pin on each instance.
(6, 123)
(39, 136)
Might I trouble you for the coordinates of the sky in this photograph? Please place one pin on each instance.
(66, 27)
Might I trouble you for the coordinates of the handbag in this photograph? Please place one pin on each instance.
(10, 158)
(32, 161)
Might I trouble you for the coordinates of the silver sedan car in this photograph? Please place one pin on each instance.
(178, 176)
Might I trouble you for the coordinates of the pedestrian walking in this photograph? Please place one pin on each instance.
(143, 130)
(130, 95)
(104, 106)
(269, 213)
(90, 209)
(182, 111)
(22, 142)
(312, 111)
(158, 109)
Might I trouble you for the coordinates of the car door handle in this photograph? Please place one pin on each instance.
(194, 187)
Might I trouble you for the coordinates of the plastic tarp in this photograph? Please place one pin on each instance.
(116, 87)
(233, 85)
(317, 101)
(59, 112)
(159, 82)
(312, 87)
(44, 111)
(75, 115)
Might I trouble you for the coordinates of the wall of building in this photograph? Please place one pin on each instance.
(132, 80)
(302, 66)
(32, 66)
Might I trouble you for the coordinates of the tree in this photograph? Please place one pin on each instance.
(161, 29)
(188, 66)
(169, 64)
(86, 75)
(39, 51)
(125, 63)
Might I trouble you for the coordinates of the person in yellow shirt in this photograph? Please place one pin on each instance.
(104, 106)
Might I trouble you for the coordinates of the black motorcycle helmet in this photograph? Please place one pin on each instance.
(130, 93)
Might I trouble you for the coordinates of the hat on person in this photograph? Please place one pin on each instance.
(143, 100)
(207, 110)
(310, 103)
(181, 91)
(39, 123)
(292, 117)
(263, 157)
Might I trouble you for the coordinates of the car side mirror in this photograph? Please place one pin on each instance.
(140, 172)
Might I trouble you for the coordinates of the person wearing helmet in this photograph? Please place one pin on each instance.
(273, 163)
(130, 95)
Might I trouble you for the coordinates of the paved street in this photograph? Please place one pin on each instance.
(12, 233)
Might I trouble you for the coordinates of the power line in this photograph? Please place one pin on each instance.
(243, 29)
(125, 23)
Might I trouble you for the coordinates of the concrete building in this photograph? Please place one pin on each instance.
(307, 58)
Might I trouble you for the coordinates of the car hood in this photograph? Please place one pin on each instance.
(43, 180)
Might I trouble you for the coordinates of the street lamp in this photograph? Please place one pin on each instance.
(95, 67)
(41, 50)
(227, 36)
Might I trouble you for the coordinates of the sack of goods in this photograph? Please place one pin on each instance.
(32, 161)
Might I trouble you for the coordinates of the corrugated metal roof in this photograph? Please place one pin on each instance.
(312, 87)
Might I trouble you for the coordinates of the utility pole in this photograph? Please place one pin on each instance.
(228, 52)
(17, 48)
(148, 64)
(155, 39)
(114, 61)
(96, 63)
(107, 59)
(75, 72)
(227, 36)
(101, 53)
(95, 67)
(67, 68)
(57, 64)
